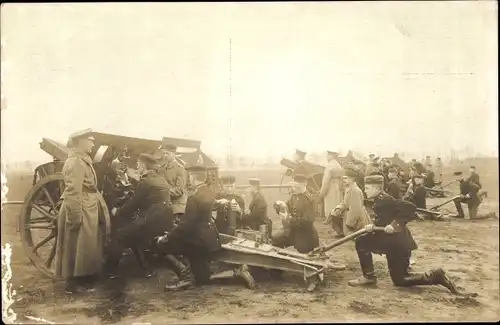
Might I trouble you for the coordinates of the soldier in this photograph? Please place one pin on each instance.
(176, 177)
(469, 194)
(439, 170)
(369, 165)
(429, 180)
(299, 156)
(195, 236)
(474, 176)
(146, 215)
(298, 219)
(394, 186)
(350, 215)
(416, 192)
(79, 246)
(229, 203)
(396, 242)
(331, 186)
(256, 214)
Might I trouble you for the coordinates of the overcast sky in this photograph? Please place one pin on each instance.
(384, 77)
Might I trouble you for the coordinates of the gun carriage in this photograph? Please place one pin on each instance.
(40, 209)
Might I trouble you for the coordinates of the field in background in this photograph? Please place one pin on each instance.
(468, 250)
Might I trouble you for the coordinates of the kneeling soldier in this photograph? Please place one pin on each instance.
(230, 207)
(350, 215)
(396, 242)
(469, 194)
(298, 220)
(416, 192)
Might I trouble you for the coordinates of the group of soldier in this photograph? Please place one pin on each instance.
(171, 209)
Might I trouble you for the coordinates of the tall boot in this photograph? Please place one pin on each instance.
(143, 263)
(439, 277)
(179, 268)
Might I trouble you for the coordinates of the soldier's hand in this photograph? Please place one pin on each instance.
(114, 211)
(389, 229)
(247, 211)
(235, 207)
(467, 196)
(369, 228)
(162, 239)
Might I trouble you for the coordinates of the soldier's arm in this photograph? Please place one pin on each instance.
(187, 221)
(405, 212)
(136, 200)
(240, 202)
(74, 174)
(355, 205)
(178, 188)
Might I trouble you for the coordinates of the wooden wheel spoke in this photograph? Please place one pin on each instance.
(49, 197)
(48, 263)
(41, 226)
(42, 211)
(43, 242)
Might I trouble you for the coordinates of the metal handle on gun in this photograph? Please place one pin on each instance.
(347, 238)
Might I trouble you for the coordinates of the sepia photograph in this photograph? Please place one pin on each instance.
(249, 162)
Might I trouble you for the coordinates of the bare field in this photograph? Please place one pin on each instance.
(468, 250)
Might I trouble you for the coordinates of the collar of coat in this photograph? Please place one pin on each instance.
(75, 153)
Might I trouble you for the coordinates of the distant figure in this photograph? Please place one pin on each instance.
(438, 170)
(394, 186)
(299, 156)
(416, 192)
(331, 188)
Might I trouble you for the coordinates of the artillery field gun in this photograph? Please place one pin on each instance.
(40, 209)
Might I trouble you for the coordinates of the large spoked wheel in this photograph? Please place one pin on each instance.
(38, 222)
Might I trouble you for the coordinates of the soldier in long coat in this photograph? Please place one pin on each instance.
(331, 187)
(396, 242)
(195, 236)
(351, 215)
(176, 177)
(79, 250)
(298, 220)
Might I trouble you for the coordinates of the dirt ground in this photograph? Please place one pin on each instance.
(468, 250)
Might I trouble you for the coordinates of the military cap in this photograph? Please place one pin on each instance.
(147, 159)
(374, 179)
(427, 157)
(376, 158)
(333, 153)
(196, 168)
(473, 167)
(79, 135)
(420, 176)
(457, 173)
(228, 179)
(299, 178)
(371, 155)
(351, 173)
(254, 181)
(300, 152)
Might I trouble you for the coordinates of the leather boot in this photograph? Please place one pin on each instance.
(185, 281)
(179, 268)
(362, 281)
(439, 277)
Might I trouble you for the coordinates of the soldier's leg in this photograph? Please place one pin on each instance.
(473, 210)
(458, 206)
(363, 248)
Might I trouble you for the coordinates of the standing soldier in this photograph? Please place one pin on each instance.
(299, 156)
(79, 250)
(350, 215)
(230, 207)
(368, 168)
(297, 215)
(331, 187)
(176, 177)
(439, 170)
(396, 242)
(256, 214)
(195, 236)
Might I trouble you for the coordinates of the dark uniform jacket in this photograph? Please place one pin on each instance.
(151, 200)
(223, 211)
(429, 179)
(474, 178)
(469, 187)
(258, 213)
(394, 188)
(301, 224)
(196, 227)
(419, 197)
(389, 211)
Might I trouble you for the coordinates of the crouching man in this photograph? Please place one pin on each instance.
(350, 215)
(396, 242)
(195, 236)
(298, 220)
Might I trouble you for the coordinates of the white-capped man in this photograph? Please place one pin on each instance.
(331, 186)
(350, 215)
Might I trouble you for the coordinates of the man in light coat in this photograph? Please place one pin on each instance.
(79, 248)
(331, 186)
(176, 177)
(350, 215)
